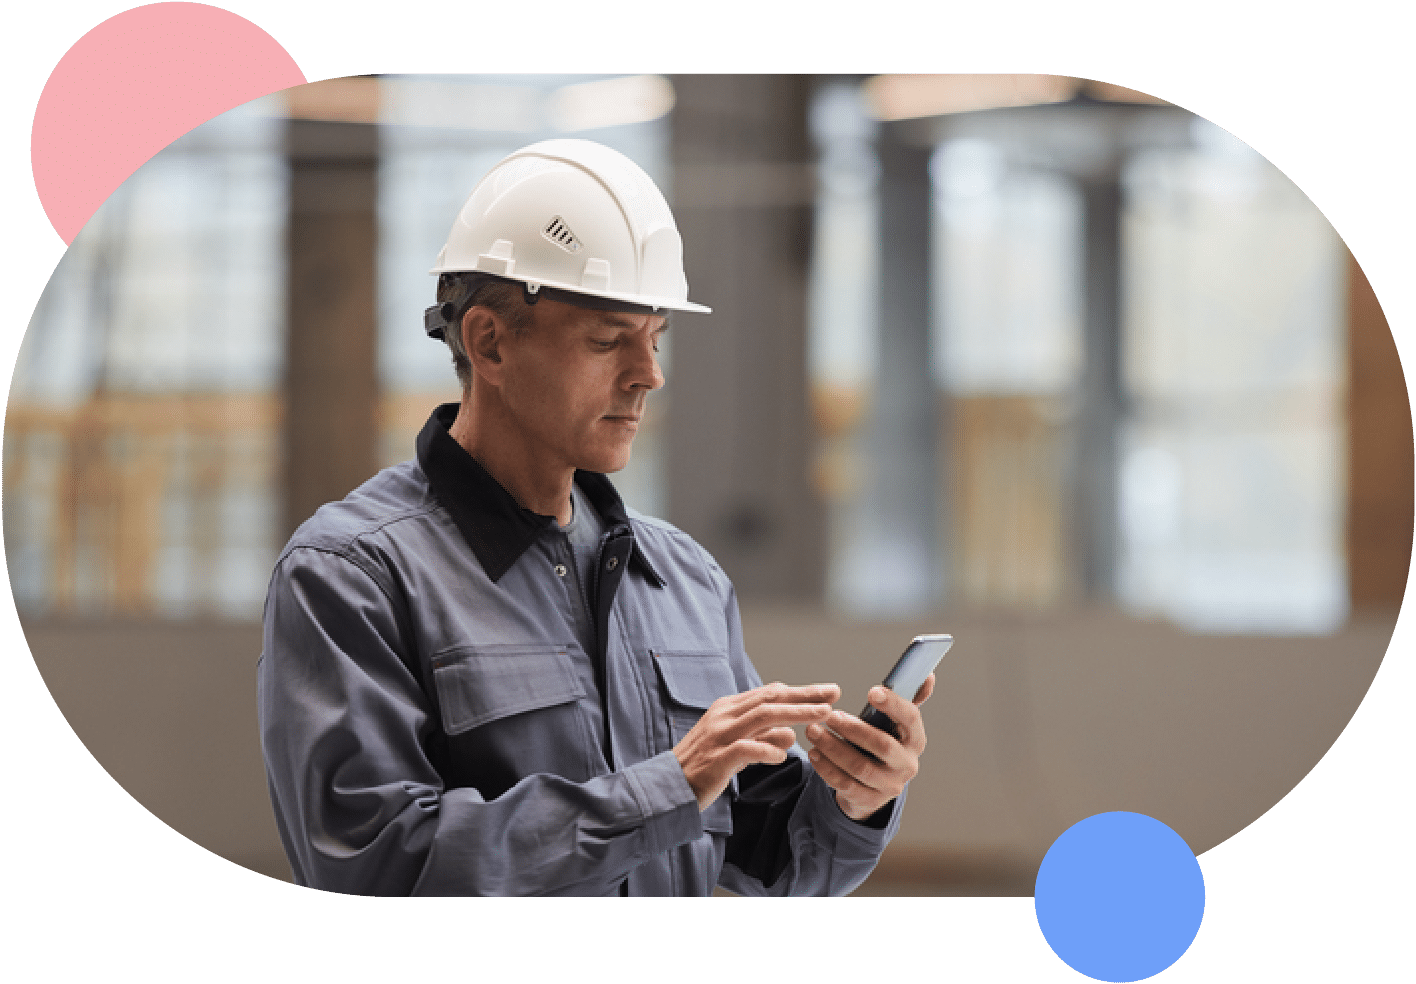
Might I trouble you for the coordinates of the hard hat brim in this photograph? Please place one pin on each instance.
(579, 296)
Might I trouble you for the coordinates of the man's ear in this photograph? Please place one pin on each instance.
(482, 336)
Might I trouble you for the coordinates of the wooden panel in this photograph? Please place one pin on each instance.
(1010, 502)
(1380, 499)
(108, 465)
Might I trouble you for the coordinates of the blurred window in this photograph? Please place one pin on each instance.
(1007, 351)
(1231, 482)
(843, 334)
(1007, 275)
(141, 439)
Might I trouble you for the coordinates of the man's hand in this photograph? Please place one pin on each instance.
(863, 786)
(748, 728)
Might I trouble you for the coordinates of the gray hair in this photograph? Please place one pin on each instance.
(466, 291)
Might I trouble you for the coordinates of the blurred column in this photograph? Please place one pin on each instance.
(897, 553)
(1101, 385)
(738, 424)
(1379, 450)
(331, 387)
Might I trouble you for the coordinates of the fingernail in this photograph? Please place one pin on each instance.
(877, 695)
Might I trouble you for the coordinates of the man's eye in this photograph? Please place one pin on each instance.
(604, 344)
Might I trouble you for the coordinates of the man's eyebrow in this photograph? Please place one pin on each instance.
(616, 321)
(608, 320)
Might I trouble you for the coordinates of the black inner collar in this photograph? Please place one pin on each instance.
(496, 528)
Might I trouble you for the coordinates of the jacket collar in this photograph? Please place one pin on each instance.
(495, 527)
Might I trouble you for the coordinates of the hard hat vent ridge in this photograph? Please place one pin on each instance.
(559, 233)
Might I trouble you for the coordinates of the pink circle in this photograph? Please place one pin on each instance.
(134, 84)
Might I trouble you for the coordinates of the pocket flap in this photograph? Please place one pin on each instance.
(695, 679)
(476, 687)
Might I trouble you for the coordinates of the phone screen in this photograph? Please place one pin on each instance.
(920, 658)
(910, 671)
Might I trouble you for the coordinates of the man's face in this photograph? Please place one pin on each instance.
(576, 382)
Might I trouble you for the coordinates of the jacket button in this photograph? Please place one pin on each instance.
(612, 563)
(560, 570)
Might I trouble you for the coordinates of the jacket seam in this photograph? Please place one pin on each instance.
(347, 556)
(683, 539)
(342, 545)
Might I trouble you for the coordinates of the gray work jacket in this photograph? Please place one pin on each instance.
(430, 725)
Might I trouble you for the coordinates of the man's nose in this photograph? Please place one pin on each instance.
(645, 373)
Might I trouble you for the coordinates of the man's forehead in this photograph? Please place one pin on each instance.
(590, 319)
(565, 317)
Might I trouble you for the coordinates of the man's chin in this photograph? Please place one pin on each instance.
(606, 464)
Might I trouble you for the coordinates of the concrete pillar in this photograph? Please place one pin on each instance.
(899, 552)
(331, 383)
(1095, 463)
(737, 461)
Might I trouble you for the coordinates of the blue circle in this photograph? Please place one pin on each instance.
(1119, 897)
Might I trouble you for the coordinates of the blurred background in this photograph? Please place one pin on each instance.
(1049, 364)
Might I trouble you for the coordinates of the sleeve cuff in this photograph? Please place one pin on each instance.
(666, 801)
(822, 802)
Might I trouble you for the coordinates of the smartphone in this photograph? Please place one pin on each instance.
(920, 658)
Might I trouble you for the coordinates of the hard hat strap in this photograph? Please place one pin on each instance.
(437, 318)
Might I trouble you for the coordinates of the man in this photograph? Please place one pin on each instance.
(483, 675)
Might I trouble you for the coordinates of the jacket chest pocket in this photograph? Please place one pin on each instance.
(691, 682)
(511, 711)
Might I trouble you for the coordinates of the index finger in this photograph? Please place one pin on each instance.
(780, 693)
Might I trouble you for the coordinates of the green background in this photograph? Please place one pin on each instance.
(1316, 889)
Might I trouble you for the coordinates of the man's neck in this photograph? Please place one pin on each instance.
(545, 491)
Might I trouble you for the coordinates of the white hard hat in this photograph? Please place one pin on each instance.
(577, 218)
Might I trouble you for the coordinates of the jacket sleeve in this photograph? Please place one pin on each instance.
(360, 807)
(789, 836)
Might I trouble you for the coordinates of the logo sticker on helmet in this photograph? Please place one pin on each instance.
(559, 233)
